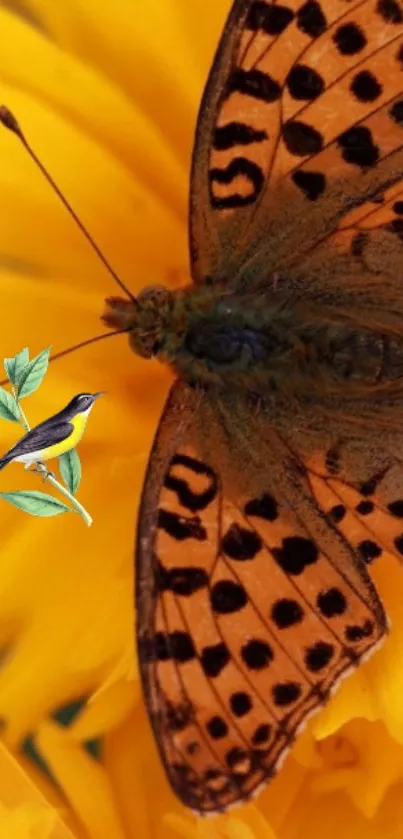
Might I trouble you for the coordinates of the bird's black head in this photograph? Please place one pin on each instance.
(82, 402)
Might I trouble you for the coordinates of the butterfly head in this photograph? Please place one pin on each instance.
(145, 319)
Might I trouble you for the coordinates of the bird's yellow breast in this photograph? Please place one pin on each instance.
(78, 422)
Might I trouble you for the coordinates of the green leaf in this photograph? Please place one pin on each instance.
(36, 503)
(70, 470)
(15, 366)
(33, 374)
(8, 406)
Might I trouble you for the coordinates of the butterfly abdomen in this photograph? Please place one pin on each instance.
(266, 343)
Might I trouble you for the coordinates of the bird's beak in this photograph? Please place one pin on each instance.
(100, 393)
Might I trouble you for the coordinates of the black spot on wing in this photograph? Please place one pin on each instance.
(286, 612)
(311, 20)
(182, 646)
(357, 146)
(182, 581)
(164, 646)
(304, 83)
(217, 728)
(262, 734)
(369, 550)
(311, 184)
(243, 167)
(390, 11)
(257, 654)
(365, 508)
(269, 18)
(264, 507)
(337, 513)
(186, 496)
(396, 112)
(366, 87)
(240, 544)
(398, 542)
(213, 659)
(318, 656)
(240, 703)
(331, 602)
(227, 596)
(253, 83)
(301, 139)
(356, 633)
(236, 134)
(295, 554)
(349, 39)
(396, 508)
(286, 693)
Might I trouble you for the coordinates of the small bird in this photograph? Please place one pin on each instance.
(54, 436)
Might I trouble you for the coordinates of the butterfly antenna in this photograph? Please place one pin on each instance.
(78, 346)
(8, 119)
(86, 343)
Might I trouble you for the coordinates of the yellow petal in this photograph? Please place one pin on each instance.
(78, 774)
(330, 816)
(24, 812)
(79, 94)
(105, 710)
(237, 828)
(129, 223)
(281, 794)
(81, 592)
(363, 760)
(183, 826)
(129, 48)
(354, 698)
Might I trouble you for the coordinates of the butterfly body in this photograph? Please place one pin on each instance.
(262, 343)
(276, 474)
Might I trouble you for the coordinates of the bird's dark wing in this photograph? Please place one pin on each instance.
(41, 437)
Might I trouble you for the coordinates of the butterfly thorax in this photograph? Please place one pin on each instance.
(258, 342)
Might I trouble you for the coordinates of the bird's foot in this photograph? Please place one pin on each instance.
(40, 469)
(34, 467)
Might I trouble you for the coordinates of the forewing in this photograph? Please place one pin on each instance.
(301, 122)
(250, 604)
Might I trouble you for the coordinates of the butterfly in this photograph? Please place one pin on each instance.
(276, 474)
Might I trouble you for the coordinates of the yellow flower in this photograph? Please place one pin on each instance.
(107, 94)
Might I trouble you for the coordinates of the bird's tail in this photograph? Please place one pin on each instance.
(7, 458)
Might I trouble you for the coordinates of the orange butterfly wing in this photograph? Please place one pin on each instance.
(247, 614)
(302, 120)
